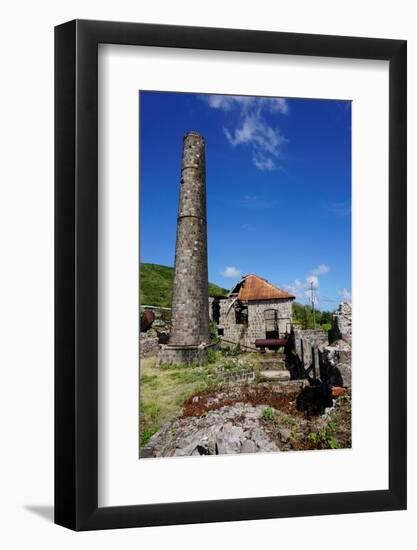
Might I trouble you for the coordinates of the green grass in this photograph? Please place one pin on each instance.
(156, 285)
(164, 389)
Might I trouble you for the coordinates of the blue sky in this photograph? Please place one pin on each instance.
(278, 187)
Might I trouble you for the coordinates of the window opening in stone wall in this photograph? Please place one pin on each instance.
(215, 311)
(271, 323)
(241, 313)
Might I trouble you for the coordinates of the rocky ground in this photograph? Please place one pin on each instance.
(250, 418)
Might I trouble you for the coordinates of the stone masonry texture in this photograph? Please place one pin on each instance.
(256, 327)
(190, 315)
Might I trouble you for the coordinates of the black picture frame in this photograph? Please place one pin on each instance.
(76, 272)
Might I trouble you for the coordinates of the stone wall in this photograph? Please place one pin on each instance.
(246, 334)
(332, 361)
(173, 355)
(336, 363)
(342, 323)
(227, 322)
(306, 347)
(256, 319)
(337, 357)
(148, 344)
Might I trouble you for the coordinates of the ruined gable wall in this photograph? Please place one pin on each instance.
(256, 320)
(256, 324)
(227, 321)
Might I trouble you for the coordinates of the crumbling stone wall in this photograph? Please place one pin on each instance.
(330, 354)
(342, 323)
(336, 363)
(337, 357)
(227, 322)
(256, 319)
(148, 344)
(306, 347)
(256, 327)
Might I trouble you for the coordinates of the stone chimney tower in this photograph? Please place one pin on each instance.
(190, 316)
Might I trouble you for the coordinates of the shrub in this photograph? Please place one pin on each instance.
(214, 337)
(212, 356)
(230, 351)
(268, 414)
(324, 438)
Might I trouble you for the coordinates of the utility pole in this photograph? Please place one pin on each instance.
(312, 304)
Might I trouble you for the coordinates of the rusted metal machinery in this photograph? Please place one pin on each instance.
(270, 343)
(146, 320)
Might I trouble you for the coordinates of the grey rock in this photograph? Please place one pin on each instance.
(248, 446)
(223, 431)
(284, 434)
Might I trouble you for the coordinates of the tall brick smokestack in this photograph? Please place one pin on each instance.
(190, 316)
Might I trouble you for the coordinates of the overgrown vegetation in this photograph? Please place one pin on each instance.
(214, 336)
(169, 391)
(333, 431)
(169, 386)
(303, 316)
(324, 437)
(268, 414)
(164, 389)
(213, 355)
(156, 285)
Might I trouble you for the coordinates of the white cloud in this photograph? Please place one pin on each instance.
(322, 269)
(279, 104)
(264, 140)
(302, 288)
(254, 130)
(228, 102)
(345, 294)
(251, 129)
(231, 272)
(262, 162)
(223, 102)
(313, 280)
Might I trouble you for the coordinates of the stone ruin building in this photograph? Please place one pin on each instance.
(254, 311)
(190, 335)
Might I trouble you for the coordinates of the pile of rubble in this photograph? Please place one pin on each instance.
(230, 420)
(229, 430)
(251, 419)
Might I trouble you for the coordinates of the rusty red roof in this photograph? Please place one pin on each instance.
(253, 287)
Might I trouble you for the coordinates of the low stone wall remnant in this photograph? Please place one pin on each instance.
(148, 344)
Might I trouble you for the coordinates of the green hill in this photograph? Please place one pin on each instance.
(156, 285)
